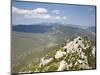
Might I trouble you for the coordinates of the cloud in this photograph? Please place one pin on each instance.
(38, 13)
(45, 16)
(18, 11)
(23, 11)
(38, 16)
(40, 10)
(60, 17)
(56, 11)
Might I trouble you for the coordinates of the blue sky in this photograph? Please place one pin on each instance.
(32, 12)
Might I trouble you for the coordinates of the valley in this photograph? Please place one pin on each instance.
(29, 45)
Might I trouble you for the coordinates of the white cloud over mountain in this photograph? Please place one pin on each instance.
(38, 13)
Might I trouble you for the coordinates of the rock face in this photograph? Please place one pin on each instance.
(74, 45)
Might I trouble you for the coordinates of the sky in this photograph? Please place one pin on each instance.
(34, 12)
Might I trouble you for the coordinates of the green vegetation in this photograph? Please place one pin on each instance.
(88, 52)
(29, 48)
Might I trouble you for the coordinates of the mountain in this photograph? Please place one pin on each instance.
(41, 27)
(78, 54)
(31, 28)
(31, 42)
(53, 29)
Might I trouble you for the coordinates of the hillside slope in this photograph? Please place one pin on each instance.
(28, 46)
(78, 54)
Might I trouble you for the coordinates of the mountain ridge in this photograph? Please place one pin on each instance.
(72, 56)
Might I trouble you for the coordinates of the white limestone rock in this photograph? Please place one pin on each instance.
(44, 61)
(63, 66)
(74, 45)
(60, 54)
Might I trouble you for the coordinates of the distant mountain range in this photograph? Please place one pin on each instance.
(58, 30)
(45, 27)
(31, 28)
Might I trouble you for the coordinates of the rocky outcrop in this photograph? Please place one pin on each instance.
(60, 54)
(75, 55)
(75, 45)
